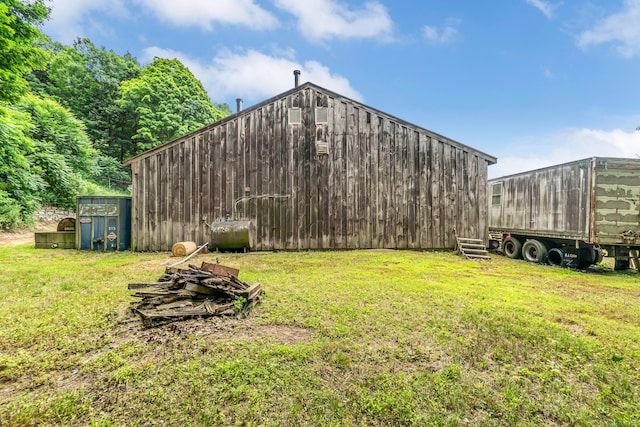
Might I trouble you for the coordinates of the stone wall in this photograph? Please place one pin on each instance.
(53, 214)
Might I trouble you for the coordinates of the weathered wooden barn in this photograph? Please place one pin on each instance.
(310, 169)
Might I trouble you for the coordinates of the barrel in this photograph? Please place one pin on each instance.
(233, 235)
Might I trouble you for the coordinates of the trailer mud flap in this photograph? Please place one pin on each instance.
(570, 257)
(580, 258)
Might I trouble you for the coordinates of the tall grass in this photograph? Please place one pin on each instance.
(342, 338)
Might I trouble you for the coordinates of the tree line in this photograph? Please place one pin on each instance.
(69, 115)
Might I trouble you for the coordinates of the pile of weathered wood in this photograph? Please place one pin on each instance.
(208, 290)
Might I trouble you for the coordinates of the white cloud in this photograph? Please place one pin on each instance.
(203, 14)
(622, 29)
(254, 76)
(547, 73)
(321, 20)
(448, 34)
(543, 6)
(69, 18)
(564, 146)
(72, 18)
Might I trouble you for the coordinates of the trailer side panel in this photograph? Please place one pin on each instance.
(549, 202)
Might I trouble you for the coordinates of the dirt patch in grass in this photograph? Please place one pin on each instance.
(24, 236)
(15, 238)
(219, 328)
(573, 327)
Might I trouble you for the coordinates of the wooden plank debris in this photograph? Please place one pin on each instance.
(218, 269)
(208, 290)
(156, 285)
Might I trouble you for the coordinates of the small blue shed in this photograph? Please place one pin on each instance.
(103, 223)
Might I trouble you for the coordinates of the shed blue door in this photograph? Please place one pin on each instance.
(105, 223)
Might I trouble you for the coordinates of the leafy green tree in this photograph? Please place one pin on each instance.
(168, 101)
(88, 79)
(20, 186)
(10, 211)
(85, 79)
(224, 109)
(110, 173)
(63, 156)
(18, 54)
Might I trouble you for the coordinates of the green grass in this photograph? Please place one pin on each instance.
(341, 339)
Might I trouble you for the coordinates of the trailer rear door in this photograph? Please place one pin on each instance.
(617, 201)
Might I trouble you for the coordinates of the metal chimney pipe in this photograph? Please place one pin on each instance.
(296, 77)
(238, 105)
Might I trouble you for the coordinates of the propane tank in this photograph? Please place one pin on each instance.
(232, 235)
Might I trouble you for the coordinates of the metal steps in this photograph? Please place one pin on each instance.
(472, 248)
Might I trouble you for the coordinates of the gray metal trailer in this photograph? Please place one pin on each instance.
(571, 214)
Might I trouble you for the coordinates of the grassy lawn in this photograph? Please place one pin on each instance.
(341, 339)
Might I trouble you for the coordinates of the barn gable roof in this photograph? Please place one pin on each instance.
(308, 85)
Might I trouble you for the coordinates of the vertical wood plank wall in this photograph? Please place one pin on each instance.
(382, 184)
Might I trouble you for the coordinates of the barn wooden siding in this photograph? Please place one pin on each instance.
(383, 183)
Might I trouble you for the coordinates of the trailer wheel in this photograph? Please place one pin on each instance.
(534, 251)
(512, 248)
(555, 257)
(588, 257)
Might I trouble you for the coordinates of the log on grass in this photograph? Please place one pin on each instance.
(183, 248)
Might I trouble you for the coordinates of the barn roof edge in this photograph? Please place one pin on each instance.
(490, 159)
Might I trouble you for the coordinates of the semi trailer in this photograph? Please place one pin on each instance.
(572, 214)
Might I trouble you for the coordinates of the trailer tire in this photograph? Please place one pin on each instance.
(587, 258)
(555, 257)
(534, 251)
(512, 248)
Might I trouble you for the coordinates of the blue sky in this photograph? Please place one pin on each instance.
(532, 82)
